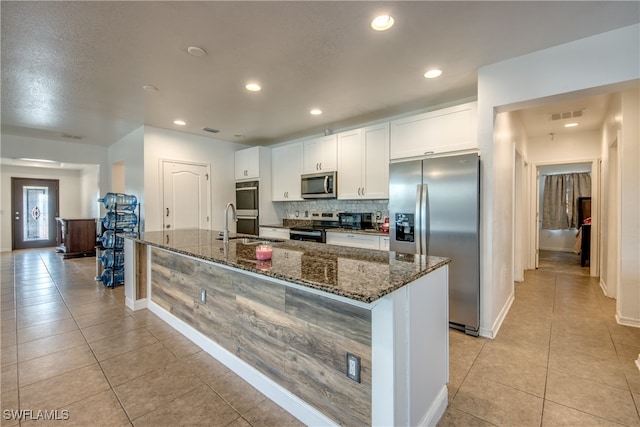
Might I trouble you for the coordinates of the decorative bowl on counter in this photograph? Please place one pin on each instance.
(263, 252)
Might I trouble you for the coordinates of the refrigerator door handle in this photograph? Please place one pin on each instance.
(417, 221)
(424, 225)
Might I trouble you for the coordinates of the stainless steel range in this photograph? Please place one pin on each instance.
(317, 231)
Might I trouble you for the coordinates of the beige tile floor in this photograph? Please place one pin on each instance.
(560, 358)
(69, 343)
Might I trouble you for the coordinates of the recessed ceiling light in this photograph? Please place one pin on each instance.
(570, 125)
(316, 112)
(150, 88)
(382, 22)
(432, 74)
(179, 122)
(196, 51)
(36, 160)
(253, 87)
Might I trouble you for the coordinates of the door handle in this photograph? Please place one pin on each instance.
(167, 211)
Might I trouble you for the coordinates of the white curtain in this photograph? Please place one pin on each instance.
(560, 202)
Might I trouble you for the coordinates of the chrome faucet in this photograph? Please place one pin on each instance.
(225, 235)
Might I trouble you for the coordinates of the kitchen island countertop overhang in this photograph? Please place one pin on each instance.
(376, 273)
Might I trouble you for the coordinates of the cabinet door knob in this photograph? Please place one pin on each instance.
(362, 191)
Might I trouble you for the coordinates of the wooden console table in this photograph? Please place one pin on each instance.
(76, 237)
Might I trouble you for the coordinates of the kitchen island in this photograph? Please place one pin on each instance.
(335, 335)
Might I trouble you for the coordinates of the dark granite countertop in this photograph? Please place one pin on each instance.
(368, 232)
(359, 274)
(365, 232)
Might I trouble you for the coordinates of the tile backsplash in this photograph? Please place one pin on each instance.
(297, 210)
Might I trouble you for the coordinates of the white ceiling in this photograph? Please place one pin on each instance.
(75, 70)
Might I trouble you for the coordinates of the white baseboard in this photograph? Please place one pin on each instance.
(274, 391)
(604, 288)
(627, 321)
(136, 305)
(493, 332)
(437, 409)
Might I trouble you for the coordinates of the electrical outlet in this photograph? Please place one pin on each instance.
(353, 367)
(203, 296)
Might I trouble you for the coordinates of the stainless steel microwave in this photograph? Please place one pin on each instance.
(323, 185)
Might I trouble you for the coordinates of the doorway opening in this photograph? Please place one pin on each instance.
(571, 245)
(34, 207)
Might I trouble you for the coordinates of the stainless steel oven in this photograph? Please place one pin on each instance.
(247, 207)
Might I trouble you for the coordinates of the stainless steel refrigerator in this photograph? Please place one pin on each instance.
(434, 207)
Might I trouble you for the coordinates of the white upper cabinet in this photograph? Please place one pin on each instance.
(449, 129)
(320, 154)
(247, 163)
(286, 162)
(363, 163)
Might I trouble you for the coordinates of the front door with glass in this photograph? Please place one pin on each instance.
(34, 211)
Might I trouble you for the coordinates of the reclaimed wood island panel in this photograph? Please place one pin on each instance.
(286, 325)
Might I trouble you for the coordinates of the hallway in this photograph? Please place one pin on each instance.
(559, 358)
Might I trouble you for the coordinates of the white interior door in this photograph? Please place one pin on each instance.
(185, 195)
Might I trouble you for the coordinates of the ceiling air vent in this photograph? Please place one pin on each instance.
(566, 115)
(212, 130)
(67, 135)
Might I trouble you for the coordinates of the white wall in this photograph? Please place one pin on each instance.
(169, 145)
(90, 192)
(628, 299)
(128, 156)
(70, 185)
(601, 60)
(610, 203)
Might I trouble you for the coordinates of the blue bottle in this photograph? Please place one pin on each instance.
(119, 201)
(111, 278)
(109, 239)
(111, 258)
(119, 220)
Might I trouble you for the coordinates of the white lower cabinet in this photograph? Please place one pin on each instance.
(384, 243)
(356, 240)
(274, 233)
